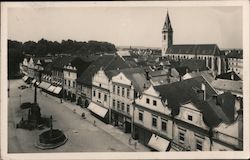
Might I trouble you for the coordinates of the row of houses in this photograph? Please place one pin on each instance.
(192, 112)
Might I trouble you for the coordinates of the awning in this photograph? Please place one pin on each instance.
(57, 90)
(158, 143)
(51, 88)
(98, 109)
(25, 78)
(44, 85)
(34, 80)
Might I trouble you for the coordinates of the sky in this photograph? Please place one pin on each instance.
(128, 26)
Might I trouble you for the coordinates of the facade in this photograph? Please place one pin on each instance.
(100, 101)
(70, 76)
(235, 61)
(84, 81)
(187, 116)
(126, 85)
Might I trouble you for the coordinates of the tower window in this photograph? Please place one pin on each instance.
(164, 37)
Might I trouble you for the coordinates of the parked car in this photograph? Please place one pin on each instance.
(23, 87)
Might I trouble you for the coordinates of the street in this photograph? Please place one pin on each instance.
(82, 135)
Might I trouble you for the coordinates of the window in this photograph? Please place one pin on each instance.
(190, 117)
(65, 82)
(100, 85)
(118, 90)
(164, 125)
(113, 103)
(105, 98)
(154, 102)
(93, 93)
(123, 91)
(118, 105)
(181, 137)
(99, 95)
(122, 106)
(128, 109)
(128, 93)
(69, 83)
(141, 116)
(147, 100)
(154, 121)
(198, 145)
(68, 73)
(74, 84)
(164, 37)
(113, 88)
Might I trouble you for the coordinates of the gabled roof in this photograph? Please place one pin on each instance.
(194, 64)
(136, 75)
(183, 91)
(106, 62)
(207, 75)
(229, 76)
(228, 85)
(194, 49)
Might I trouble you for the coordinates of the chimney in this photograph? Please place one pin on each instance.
(147, 75)
(232, 75)
(203, 88)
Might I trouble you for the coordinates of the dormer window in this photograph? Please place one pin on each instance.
(190, 117)
(147, 100)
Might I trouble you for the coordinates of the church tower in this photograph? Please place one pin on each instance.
(167, 35)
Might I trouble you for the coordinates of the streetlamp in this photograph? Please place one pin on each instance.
(20, 99)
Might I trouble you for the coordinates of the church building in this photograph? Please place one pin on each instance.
(210, 53)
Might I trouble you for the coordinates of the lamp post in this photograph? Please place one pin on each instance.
(20, 99)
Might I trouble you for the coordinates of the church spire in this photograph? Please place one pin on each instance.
(167, 24)
(167, 35)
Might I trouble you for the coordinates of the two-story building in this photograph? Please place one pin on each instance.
(193, 113)
(126, 85)
(84, 82)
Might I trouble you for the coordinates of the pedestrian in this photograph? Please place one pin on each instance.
(74, 110)
(94, 123)
(135, 144)
(129, 140)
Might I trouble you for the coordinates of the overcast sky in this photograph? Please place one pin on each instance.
(124, 26)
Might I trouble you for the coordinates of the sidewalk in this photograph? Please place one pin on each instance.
(113, 131)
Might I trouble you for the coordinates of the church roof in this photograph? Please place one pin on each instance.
(194, 49)
(167, 24)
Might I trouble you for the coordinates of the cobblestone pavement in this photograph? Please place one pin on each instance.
(82, 135)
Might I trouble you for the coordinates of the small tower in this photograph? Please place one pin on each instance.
(167, 35)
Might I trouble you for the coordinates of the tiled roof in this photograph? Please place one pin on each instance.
(207, 75)
(182, 92)
(215, 109)
(235, 54)
(193, 49)
(106, 62)
(194, 64)
(228, 85)
(136, 75)
(229, 76)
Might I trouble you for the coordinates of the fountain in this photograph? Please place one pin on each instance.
(51, 138)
